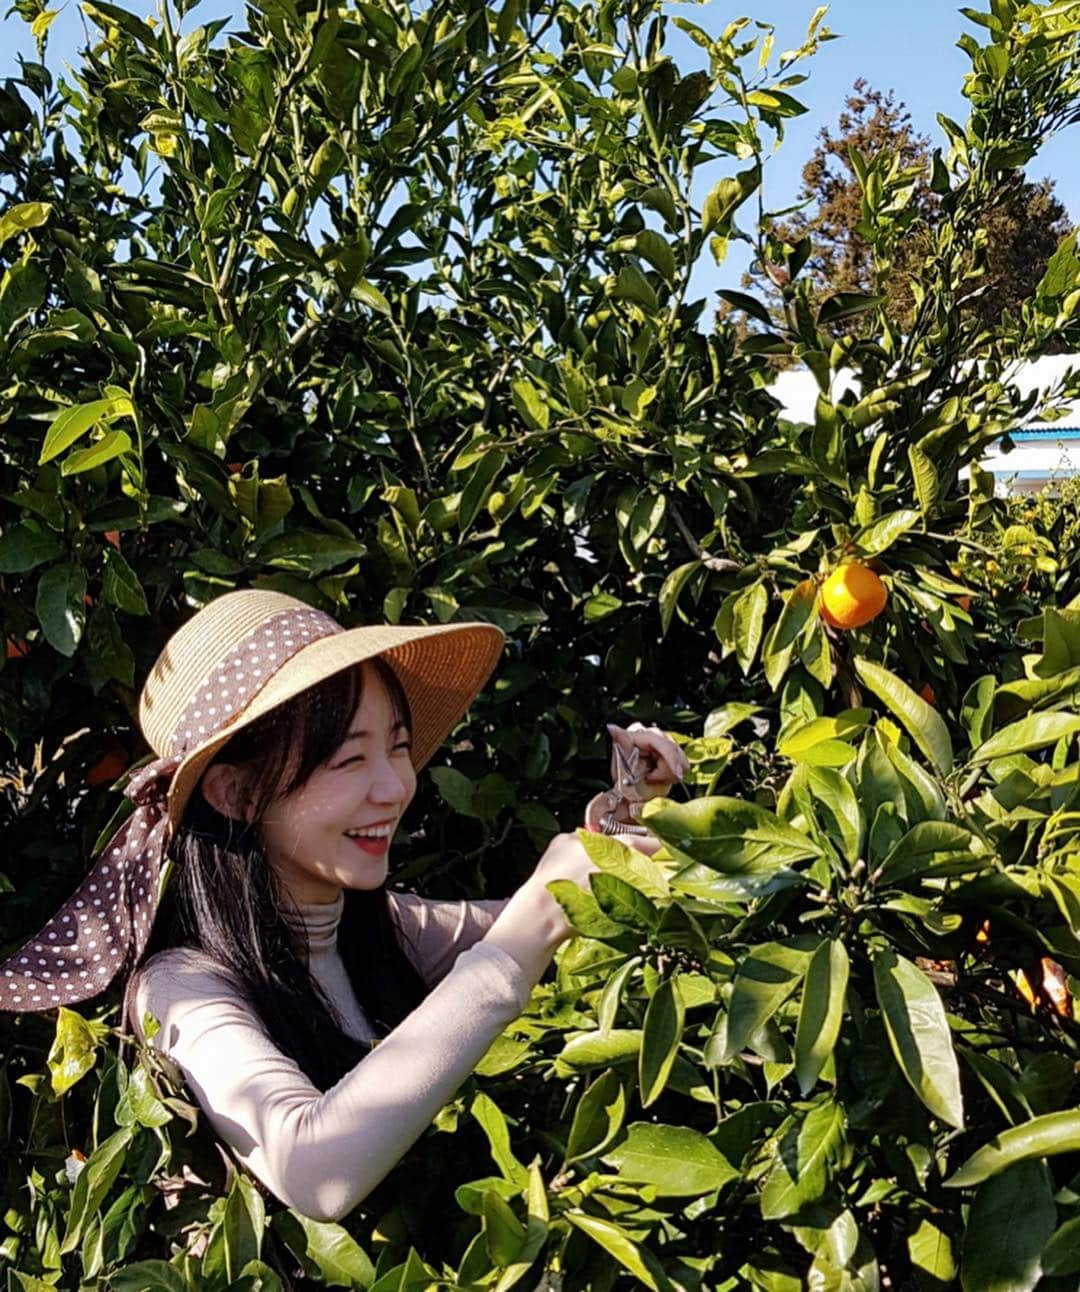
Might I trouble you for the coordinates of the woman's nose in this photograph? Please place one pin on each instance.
(388, 784)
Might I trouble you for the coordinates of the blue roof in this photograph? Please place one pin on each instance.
(1061, 433)
(1006, 474)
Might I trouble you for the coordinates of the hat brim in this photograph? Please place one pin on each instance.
(442, 668)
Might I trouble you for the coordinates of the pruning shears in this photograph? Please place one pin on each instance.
(603, 812)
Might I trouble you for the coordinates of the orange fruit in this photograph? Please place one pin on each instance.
(110, 767)
(113, 536)
(235, 467)
(928, 694)
(16, 646)
(851, 596)
(964, 603)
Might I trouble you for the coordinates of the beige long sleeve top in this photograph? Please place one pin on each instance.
(323, 1152)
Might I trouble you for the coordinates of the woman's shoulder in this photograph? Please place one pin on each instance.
(175, 981)
(186, 967)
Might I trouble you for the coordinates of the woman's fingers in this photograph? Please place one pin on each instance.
(645, 843)
(662, 759)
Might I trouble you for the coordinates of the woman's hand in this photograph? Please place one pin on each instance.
(660, 764)
(660, 758)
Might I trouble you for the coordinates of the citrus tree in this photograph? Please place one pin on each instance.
(795, 1048)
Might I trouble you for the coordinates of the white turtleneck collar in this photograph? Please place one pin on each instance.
(319, 922)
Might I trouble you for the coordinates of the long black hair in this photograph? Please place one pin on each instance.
(223, 898)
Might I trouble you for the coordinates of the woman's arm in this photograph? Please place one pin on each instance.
(434, 932)
(322, 1153)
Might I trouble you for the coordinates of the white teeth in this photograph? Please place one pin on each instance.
(377, 832)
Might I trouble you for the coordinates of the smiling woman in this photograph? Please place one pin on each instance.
(246, 892)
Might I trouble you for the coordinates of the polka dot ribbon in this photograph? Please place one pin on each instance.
(105, 924)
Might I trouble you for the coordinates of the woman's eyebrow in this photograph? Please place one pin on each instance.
(362, 735)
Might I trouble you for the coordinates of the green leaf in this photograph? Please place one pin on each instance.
(806, 1158)
(626, 863)
(925, 478)
(821, 1011)
(243, 1226)
(478, 487)
(1061, 1255)
(781, 641)
(611, 996)
(767, 976)
(72, 423)
(491, 1119)
(111, 15)
(27, 545)
(146, 1276)
(661, 1035)
(146, 1108)
(732, 837)
(73, 1051)
(919, 1035)
(677, 1161)
(310, 551)
(881, 535)
(616, 1242)
(623, 902)
(503, 1232)
(368, 294)
(1034, 732)
(1041, 1137)
(93, 1184)
(530, 404)
(931, 1253)
(931, 847)
(837, 809)
(748, 622)
(23, 289)
(121, 587)
(324, 1249)
(598, 1049)
(632, 285)
(669, 593)
(724, 198)
(24, 215)
(61, 606)
(923, 722)
(111, 445)
(1061, 642)
(598, 1117)
(582, 910)
(456, 790)
(804, 738)
(842, 305)
(1011, 1219)
(657, 251)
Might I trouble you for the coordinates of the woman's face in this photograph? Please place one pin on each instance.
(365, 786)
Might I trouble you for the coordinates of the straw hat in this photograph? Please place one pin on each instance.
(223, 652)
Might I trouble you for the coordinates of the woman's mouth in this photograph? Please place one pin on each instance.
(373, 847)
(374, 843)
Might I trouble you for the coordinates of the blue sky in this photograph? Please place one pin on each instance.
(908, 47)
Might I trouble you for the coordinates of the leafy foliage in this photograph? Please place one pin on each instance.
(790, 1049)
